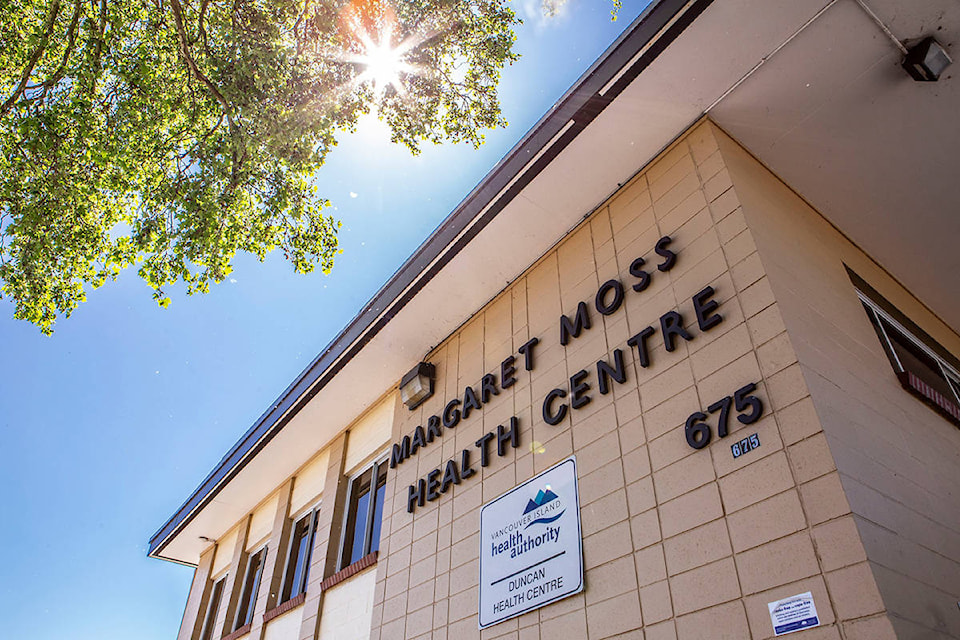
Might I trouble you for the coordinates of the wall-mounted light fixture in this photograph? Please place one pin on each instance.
(417, 385)
(926, 60)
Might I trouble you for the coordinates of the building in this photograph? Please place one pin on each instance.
(721, 274)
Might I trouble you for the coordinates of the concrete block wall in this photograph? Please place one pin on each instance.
(898, 460)
(678, 543)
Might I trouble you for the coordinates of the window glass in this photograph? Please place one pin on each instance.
(920, 368)
(298, 563)
(251, 584)
(361, 532)
(212, 607)
(357, 518)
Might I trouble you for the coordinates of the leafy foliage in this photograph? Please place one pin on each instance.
(171, 134)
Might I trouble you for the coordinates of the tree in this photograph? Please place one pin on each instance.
(171, 134)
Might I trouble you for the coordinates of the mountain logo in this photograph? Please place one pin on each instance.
(544, 496)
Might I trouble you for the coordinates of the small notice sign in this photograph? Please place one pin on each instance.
(530, 545)
(795, 613)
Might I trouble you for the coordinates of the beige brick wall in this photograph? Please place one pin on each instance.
(898, 461)
(678, 543)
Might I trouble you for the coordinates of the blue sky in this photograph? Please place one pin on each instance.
(110, 424)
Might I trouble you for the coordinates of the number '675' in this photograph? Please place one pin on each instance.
(748, 407)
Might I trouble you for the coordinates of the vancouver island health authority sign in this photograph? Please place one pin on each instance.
(530, 545)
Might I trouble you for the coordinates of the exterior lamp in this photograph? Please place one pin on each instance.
(417, 385)
(926, 60)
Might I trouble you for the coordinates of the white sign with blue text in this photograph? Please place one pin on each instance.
(530, 545)
(795, 613)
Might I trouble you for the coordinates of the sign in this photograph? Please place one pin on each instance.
(795, 613)
(530, 545)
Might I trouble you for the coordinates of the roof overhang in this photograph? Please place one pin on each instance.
(816, 94)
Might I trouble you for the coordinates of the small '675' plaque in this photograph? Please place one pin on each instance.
(747, 444)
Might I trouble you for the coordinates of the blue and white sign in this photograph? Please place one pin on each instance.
(795, 613)
(530, 545)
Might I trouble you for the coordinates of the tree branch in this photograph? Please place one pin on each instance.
(71, 41)
(34, 57)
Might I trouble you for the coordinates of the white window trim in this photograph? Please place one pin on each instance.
(945, 368)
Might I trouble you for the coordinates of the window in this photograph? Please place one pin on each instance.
(251, 584)
(210, 620)
(298, 562)
(923, 367)
(361, 527)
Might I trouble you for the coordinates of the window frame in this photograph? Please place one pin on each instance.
(378, 463)
(213, 606)
(313, 513)
(883, 321)
(247, 614)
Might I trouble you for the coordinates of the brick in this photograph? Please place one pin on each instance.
(690, 510)
(697, 547)
(776, 355)
(756, 297)
(605, 545)
(786, 387)
(710, 165)
(740, 246)
(665, 385)
(669, 448)
(614, 616)
(671, 413)
(602, 452)
(605, 512)
(676, 184)
(724, 622)
(854, 591)
(662, 631)
(721, 352)
(571, 626)
(463, 604)
(776, 563)
(724, 204)
(811, 458)
(747, 271)
(705, 586)
(682, 476)
(876, 628)
(824, 499)
(650, 565)
(690, 204)
(766, 431)
(798, 421)
(755, 482)
(655, 602)
(767, 520)
(717, 185)
(611, 579)
(724, 382)
(600, 483)
(640, 496)
(766, 324)
(838, 543)
(668, 160)
(636, 465)
(645, 529)
(758, 614)
(702, 142)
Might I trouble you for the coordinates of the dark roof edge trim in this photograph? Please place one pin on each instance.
(638, 46)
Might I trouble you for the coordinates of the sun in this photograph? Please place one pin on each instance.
(382, 64)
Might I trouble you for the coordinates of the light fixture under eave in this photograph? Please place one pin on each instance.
(926, 60)
(417, 385)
